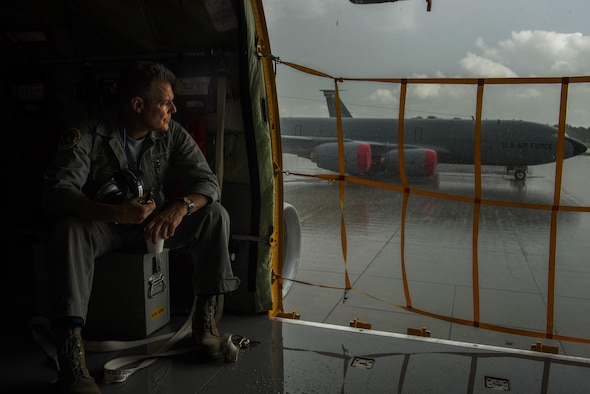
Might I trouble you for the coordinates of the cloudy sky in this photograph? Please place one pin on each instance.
(458, 38)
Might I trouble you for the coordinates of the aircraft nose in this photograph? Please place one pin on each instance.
(574, 147)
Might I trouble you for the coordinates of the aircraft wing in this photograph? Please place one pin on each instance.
(304, 146)
(380, 148)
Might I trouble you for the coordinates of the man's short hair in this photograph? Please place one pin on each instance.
(136, 78)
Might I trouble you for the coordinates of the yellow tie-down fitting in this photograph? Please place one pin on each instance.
(356, 323)
(419, 332)
(539, 347)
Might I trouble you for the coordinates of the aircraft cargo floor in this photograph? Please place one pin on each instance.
(294, 356)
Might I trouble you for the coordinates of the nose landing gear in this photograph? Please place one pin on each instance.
(518, 171)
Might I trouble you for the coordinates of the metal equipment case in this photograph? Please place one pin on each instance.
(131, 294)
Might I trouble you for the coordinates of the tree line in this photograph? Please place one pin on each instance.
(580, 133)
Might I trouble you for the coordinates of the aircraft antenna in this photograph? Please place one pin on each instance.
(428, 2)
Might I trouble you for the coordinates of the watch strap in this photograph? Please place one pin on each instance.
(190, 205)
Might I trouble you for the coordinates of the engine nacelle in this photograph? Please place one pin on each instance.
(418, 162)
(357, 157)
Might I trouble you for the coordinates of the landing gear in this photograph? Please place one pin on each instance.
(519, 172)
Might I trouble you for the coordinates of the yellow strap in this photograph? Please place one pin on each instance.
(555, 210)
(341, 166)
(477, 202)
(405, 186)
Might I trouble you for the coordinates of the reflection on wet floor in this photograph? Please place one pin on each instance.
(294, 356)
(512, 253)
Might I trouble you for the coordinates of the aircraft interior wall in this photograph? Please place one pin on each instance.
(71, 72)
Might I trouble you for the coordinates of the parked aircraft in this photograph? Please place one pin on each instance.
(371, 144)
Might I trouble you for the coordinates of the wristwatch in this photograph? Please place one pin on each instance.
(190, 205)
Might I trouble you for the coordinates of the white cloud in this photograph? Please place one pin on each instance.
(425, 91)
(528, 93)
(563, 67)
(480, 66)
(392, 18)
(534, 53)
(304, 9)
(384, 97)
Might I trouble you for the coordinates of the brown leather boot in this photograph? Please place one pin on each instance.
(208, 342)
(74, 376)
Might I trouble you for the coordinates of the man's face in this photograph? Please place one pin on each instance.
(158, 110)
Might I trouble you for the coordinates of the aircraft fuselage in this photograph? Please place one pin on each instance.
(510, 143)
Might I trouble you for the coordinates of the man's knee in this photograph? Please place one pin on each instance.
(64, 226)
(216, 213)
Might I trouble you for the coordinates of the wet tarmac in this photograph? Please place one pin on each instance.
(513, 254)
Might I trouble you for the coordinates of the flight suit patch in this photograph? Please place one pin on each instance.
(69, 139)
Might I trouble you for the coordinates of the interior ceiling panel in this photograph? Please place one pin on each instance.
(65, 30)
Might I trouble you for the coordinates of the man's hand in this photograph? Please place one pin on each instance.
(133, 211)
(130, 211)
(164, 223)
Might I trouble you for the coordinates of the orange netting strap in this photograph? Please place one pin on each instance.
(477, 202)
(406, 188)
(555, 210)
(341, 185)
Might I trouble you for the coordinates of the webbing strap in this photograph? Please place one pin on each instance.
(341, 185)
(406, 188)
(476, 203)
(556, 201)
(219, 141)
(114, 371)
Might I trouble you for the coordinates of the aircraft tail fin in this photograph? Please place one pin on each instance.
(330, 96)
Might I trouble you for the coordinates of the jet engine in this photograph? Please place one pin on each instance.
(357, 157)
(418, 162)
